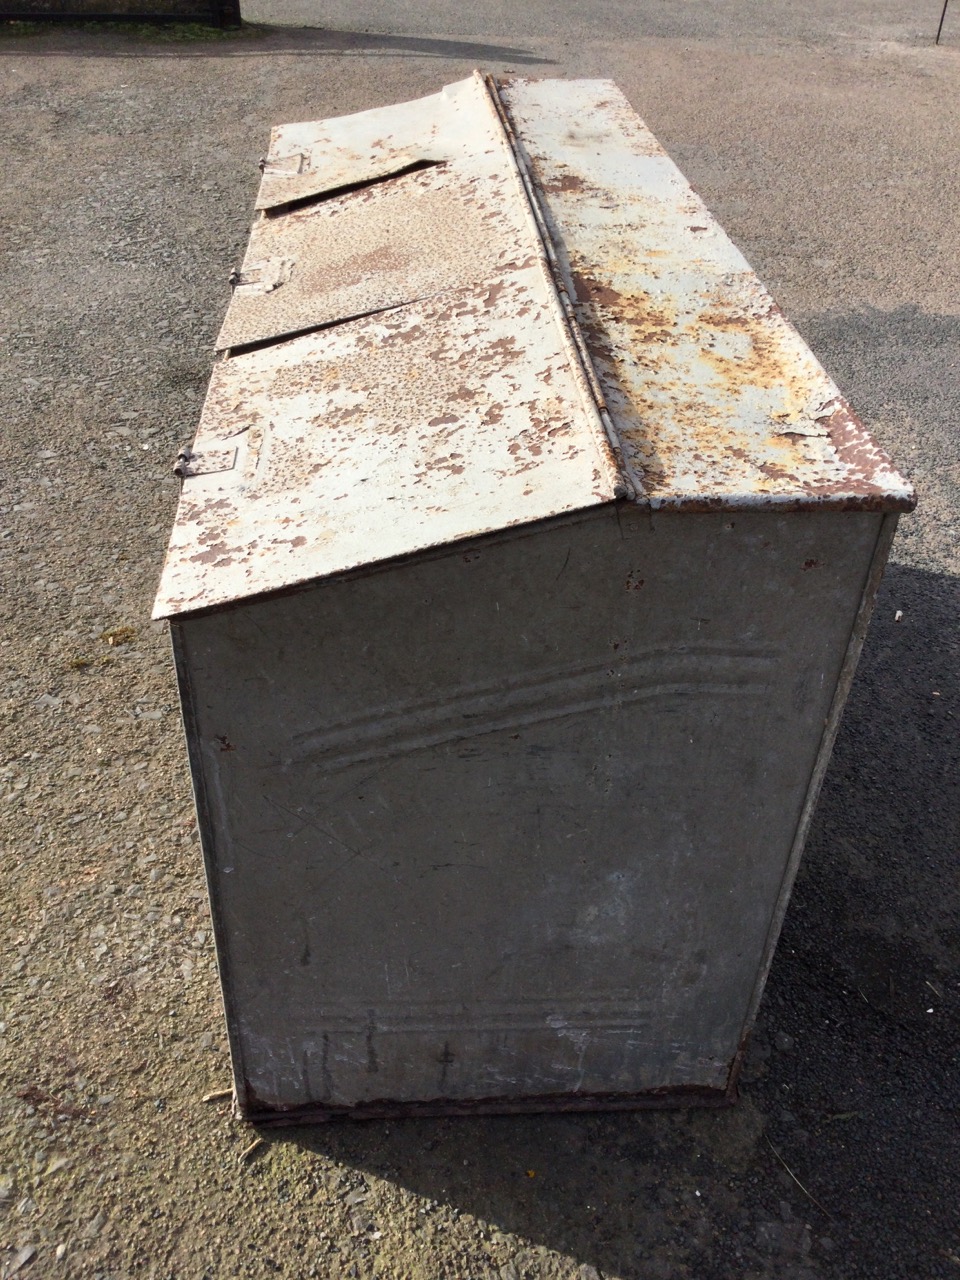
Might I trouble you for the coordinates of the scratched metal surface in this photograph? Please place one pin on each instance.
(513, 823)
(716, 399)
(401, 240)
(707, 396)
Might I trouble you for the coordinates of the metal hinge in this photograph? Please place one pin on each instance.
(206, 462)
(263, 277)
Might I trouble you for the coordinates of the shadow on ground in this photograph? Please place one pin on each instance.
(850, 1082)
(901, 368)
(119, 40)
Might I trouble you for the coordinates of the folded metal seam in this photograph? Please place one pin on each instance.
(630, 484)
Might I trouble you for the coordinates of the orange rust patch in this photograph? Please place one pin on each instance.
(564, 182)
(761, 365)
(651, 320)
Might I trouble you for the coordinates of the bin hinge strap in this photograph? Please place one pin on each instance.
(205, 462)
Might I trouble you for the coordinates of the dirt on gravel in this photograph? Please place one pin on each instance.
(130, 174)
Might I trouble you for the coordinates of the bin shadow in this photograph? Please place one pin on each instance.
(252, 40)
(845, 1058)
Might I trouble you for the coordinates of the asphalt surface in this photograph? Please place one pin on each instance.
(824, 137)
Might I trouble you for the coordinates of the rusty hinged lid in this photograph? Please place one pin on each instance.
(480, 309)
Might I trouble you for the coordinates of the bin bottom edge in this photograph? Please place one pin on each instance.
(674, 1096)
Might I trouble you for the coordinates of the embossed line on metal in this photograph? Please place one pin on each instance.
(400, 371)
(388, 732)
(716, 399)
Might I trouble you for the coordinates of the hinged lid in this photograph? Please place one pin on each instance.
(481, 309)
(715, 399)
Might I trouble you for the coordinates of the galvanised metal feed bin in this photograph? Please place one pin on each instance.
(522, 563)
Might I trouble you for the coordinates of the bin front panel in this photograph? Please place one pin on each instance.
(511, 822)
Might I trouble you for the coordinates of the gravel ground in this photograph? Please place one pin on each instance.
(826, 143)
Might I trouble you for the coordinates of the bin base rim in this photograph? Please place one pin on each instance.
(668, 1098)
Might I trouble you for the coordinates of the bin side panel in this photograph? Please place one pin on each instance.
(511, 822)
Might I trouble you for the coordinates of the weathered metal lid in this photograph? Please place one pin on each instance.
(716, 400)
(481, 309)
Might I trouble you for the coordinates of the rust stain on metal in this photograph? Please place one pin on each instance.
(364, 456)
(566, 182)
(362, 252)
(319, 157)
(479, 311)
(715, 398)
(498, 305)
(434, 389)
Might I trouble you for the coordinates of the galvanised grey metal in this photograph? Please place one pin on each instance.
(517, 584)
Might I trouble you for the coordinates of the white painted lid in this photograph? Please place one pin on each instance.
(482, 309)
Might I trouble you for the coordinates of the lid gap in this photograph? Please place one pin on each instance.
(348, 188)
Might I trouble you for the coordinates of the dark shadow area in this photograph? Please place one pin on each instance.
(901, 369)
(905, 361)
(187, 13)
(850, 1084)
(866, 978)
(119, 40)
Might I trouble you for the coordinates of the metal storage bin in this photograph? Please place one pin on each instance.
(522, 563)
